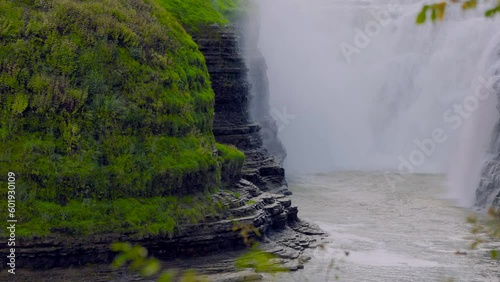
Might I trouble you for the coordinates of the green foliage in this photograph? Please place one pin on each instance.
(152, 216)
(137, 256)
(255, 258)
(247, 232)
(229, 153)
(106, 110)
(231, 162)
(437, 10)
(136, 259)
(491, 12)
(259, 260)
(196, 14)
(469, 4)
(106, 100)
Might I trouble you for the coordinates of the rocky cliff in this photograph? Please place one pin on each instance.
(233, 123)
(260, 110)
(488, 192)
(257, 199)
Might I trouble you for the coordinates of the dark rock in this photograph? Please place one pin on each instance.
(285, 191)
(488, 191)
(232, 122)
(260, 109)
(272, 214)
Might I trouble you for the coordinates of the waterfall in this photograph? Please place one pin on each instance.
(488, 192)
(365, 88)
(478, 141)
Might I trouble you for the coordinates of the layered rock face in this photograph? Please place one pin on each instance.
(260, 202)
(488, 192)
(266, 211)
(260, 109)
(232, 123)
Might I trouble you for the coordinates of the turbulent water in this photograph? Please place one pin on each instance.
(358, 85)
(402, 233)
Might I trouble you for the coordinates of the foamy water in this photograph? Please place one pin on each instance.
(405, 233)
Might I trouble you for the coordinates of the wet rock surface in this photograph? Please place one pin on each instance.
(488, 192)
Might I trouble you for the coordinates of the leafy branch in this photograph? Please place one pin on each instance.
(437, 10)
(136, 259)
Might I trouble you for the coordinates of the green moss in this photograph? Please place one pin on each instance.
(231, 162)
(197, 14)
(107, 99)
(106, 109)
(230, 153)
(152, 216)
(251, 202)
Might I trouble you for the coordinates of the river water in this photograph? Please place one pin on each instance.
(405, 232)
(371, 108)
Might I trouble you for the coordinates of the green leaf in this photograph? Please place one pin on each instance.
(120, 261)
(151, 267)
(440, 9)
(138, 252)
(433, 15)
(260, 261)
(120, 247)
(422, 15)
(494, 254)
(469, 4)
(166, 276)
(189, 276)
(492, 12)
(137, 263)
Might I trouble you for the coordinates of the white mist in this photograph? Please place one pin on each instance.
(365, 111)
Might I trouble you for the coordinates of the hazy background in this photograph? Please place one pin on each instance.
(366, 113)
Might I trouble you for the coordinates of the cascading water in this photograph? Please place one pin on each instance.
(488, 192)
(476, 163)
(363, 87)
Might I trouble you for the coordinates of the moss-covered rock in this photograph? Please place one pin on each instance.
(231, 160)
(151, 216)
(196, 15)
(103, 99)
